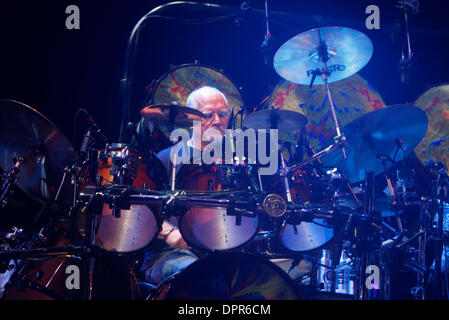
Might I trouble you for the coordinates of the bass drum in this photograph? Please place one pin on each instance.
(176, 85)
(212, 228)
(229, 276)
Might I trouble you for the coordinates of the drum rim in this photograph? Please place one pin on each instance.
(148, 157)
(277, 270)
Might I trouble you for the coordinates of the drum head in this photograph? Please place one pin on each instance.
(176, 85)
(307, 236)
(353, 97)
(231, 276)
(434, 145)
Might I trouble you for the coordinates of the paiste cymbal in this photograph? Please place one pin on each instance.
(26, 133)
(179, 116)
(353, 97)
(376, 134)
(435, 144)
(284, 120)
(348, 51)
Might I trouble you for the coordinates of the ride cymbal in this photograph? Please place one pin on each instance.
(284, 120)
(381, 134)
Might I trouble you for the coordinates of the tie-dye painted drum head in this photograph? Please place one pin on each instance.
(353, 97)
(175, 86)
(435, 144)
(230, 276)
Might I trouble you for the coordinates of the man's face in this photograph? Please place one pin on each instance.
(216, 113)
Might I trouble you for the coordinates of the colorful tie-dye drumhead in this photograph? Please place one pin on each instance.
(230, 276)
(353, 97)
(435, 144)
(175, 86)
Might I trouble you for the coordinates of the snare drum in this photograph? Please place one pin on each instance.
(229, 276)
(137, 225)
(213, 228)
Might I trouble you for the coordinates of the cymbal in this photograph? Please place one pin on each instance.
(24, 132)
(375, 135)
(353, 97)
(435, 144)
(348, 51)
(285, 121)
(382, 204)
(179, 116)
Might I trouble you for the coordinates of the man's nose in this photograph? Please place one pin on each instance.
(216, 120)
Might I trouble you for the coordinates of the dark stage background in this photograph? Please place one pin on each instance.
(57, 71)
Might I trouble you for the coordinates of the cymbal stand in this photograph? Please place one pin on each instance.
(366, 249)
(441, 195)
(394, 199)
(8, 179)
(89, 158)
(338, 142)
(324, 73)
(274, 124)
(172, 119)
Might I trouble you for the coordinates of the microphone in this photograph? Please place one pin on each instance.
(265, 47)
(93, 125)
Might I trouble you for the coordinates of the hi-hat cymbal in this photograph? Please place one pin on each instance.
(378, 134)
(347, 51)
(26, 133)
(284, 120)
(172, 114)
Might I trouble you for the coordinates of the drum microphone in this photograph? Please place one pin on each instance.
(266, 46)
(92, 132)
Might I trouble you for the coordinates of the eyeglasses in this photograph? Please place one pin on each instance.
(221, 114)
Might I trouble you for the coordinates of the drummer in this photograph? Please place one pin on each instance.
(213, 104)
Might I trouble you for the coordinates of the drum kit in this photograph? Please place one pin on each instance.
(310, 231)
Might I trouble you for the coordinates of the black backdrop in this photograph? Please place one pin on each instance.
(56, 70)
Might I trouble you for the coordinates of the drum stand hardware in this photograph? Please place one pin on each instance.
(8, 179)
(440, 196)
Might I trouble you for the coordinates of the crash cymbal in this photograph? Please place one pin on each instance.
(284, 120)
(26, 133)
(435, 144)
(377, 134)
(179, 116)
(353, 97)
(347, 51)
